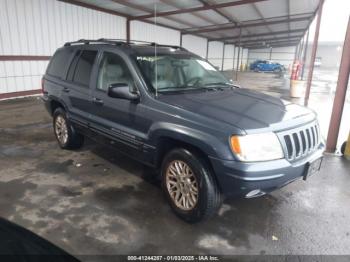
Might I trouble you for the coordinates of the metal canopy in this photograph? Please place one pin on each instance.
(263, 23)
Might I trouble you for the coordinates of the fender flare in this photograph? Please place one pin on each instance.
(209, 144)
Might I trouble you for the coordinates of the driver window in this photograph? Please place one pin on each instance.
(113, 70)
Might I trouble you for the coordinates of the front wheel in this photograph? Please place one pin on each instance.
(189, 185)
(66, 135)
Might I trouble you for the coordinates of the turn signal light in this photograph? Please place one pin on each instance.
(235, 146)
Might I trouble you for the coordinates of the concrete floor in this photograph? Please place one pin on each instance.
(95, 201)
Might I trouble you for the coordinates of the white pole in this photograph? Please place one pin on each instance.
(155, 51)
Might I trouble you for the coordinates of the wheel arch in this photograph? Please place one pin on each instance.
(203, 144)
(169, 133)
(54, 104)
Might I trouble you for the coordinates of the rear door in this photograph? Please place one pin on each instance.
(78, 85)
(56, 74)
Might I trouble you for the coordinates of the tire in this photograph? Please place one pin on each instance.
(208, 199)
(277, 70)
(70, 138)
(342, 149)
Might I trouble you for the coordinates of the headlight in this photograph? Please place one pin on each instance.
(256, 147)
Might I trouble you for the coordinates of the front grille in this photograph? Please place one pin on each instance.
(300, 142)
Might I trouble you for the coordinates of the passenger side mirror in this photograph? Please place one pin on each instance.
(122, 91)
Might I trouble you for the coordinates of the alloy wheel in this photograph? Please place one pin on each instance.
(182, 185)
(61, 130)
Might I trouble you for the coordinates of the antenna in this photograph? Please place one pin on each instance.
(155, 51)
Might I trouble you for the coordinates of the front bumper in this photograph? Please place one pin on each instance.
(239, 178)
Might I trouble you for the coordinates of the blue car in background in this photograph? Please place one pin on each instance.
(266, 66)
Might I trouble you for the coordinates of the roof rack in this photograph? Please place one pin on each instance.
(120, 42)
(92, 41)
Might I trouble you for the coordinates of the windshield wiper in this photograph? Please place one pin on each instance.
(189, 89)
(219, 84)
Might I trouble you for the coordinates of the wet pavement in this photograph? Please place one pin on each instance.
(95, 201)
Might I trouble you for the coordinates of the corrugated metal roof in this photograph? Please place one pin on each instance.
(262, 22)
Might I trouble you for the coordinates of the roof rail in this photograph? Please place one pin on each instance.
(133, 42)
(91, 41)
(120, 42)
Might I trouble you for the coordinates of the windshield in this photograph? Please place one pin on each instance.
(179, 73)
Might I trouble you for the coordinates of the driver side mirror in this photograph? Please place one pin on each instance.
(122, 91)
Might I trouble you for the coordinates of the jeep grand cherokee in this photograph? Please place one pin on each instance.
(173, 111)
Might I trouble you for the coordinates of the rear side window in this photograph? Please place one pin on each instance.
(84, 67)
(59, 63)
(73, 65)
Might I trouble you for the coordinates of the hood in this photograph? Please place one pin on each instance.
(242, 108)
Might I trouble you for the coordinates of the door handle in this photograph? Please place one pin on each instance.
(97, 101)
(66, 89)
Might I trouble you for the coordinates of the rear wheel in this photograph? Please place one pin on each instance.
(67, 137)
(189, 185)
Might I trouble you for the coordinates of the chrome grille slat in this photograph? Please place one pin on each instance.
(301, 141)
(309, 137)
(307, 144)
(317, 135)
(301, 148)
(293, 146)
(313, 137)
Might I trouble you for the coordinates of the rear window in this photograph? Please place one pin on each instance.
(59, 63)
(84, 67)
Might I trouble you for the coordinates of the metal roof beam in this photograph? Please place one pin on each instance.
(229, 18)
(288, 12)
(148, 10)
(173, 4)
(218, 12)
(196, 9)
(229, 26)
(112, 12)
(94, 7)
(258, 35)
(273, 42)
(287, 44)
(261, 16)
(266, 39)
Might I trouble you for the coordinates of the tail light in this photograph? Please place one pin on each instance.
(42, 86)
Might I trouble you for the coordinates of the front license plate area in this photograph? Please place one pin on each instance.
(313, 168)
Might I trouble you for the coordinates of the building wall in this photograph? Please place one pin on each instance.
(245, 56)
(215, 50)
(329, 53)
(38, 28)
(34, 29)
(153, 33)
(228, 62)
(195, 44)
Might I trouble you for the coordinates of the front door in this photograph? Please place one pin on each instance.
(118, 119)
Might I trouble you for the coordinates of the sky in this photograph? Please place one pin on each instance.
(334, 21)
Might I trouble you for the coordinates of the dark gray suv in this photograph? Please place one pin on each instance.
(173, 111)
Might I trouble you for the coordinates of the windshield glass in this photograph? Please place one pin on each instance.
(179, 73)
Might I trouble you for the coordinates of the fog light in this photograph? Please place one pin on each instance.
(255, 193)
